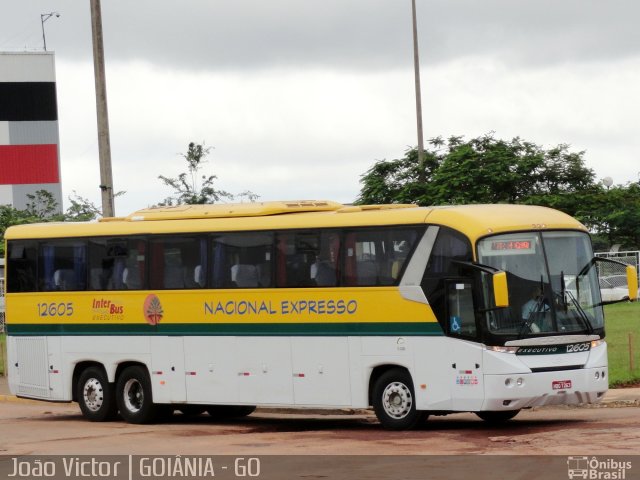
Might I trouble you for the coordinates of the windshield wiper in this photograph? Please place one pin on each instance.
(567, 294)
(581, 313)
(533, 316)
(533, 313)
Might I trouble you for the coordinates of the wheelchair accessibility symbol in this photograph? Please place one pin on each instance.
(454, 324)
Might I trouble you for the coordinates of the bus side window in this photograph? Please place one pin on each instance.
(63, 266)
(460, 312)
(114, 263)
(242, 260)
(297, 255)
(448, 247)
(307, 258)
(376, 257)
(22, 259)
(174, 261)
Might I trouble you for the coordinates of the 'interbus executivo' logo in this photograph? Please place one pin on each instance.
(555, 349)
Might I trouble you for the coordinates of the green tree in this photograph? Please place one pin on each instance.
(490, 170)
(612, 214)
(480, 170)
(82, 209)
(43, 207)
(192, 187)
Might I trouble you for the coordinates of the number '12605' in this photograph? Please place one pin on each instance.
(55, 309)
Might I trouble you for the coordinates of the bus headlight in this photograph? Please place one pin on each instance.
(596, 343)
(502, 349)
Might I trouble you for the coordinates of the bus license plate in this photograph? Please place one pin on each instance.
(561, 384)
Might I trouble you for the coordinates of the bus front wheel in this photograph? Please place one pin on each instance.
(96, 396)
(394, 400)
(497, 416)
(133, 393)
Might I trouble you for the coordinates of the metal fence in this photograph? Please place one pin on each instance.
(615, 274)
(628, 258)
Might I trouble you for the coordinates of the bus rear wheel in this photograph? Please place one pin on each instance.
(133, 393)
(95, 395)
(394, 401)
(498, 416)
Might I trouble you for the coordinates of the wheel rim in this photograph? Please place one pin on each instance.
(93, 395)
(133, 395)
(397, 400)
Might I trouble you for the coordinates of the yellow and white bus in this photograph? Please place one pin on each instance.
(312, 304)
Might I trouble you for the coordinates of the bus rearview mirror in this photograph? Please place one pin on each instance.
(632, 282)
(500, 289)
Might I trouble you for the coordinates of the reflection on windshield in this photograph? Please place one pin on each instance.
(553, 286)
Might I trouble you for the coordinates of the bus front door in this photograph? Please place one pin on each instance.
(466, 379)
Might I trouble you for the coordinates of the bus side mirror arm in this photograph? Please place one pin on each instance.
(500, 289)
(499, 278)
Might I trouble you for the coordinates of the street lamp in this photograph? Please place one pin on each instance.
(416, 71)
(43, 18)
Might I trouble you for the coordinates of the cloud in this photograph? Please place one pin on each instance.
(353, 34)
(301, 134)
(299, 98)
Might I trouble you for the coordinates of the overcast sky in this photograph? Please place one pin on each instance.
(300, 97)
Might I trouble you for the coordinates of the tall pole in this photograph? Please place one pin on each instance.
(44, 39)
(416, 69)
(104, 145)
(43, 18)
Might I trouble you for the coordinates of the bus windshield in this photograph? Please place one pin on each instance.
(553, 284)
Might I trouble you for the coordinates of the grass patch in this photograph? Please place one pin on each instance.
(620, 320)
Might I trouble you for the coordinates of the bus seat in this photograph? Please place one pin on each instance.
(95, 279)
(367, 273)
(325, 275)
(64, 279)
(395, 268)
(173, 277)
(131, 278)
(100, 279)
(245, 276)
(198, 276)
(264, 274)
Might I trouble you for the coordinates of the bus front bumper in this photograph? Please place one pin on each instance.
(565, 387)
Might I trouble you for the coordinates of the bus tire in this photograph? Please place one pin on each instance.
(133, 393)
(230, 411)
(497, 416)
(96, 395)
(394, 400)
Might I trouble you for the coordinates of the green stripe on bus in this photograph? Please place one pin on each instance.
(272, 329)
